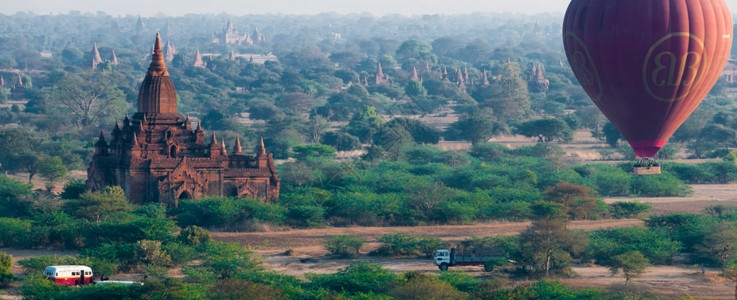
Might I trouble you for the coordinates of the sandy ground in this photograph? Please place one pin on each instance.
(672, 282)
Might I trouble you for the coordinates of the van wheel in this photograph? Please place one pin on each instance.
(443, 267)
(488, 267)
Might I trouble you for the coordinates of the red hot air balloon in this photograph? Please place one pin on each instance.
(647, 64)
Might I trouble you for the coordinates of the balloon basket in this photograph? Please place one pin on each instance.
(647, 167)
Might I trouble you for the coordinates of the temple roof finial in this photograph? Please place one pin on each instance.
(261, 148)
(157, 67)
(213, 140)
(237, 149)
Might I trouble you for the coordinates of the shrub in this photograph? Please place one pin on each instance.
(662, 185)
(426, 245)
(424, 286)
(306, 215)
(194, 235)
(605, 244)
(344, 245)
(14, 232)
(461, 280)
(627, 209)
(227, 213)
(362, 277)
(687, 228)
(6, 276)
(397, 244)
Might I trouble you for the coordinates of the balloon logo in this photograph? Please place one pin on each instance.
(647, 64)
(665, 70)
(583, 64)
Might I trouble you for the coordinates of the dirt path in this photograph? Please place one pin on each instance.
(705, 195)
(309, 241)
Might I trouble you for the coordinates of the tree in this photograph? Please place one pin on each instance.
(414, 88)
(592, 119)
(546, 130)
(543, 244)
(365, 123)
(52, 169)
(316, 128)
(89, 97)
(476, 51)
(421, 132)
(304, 152)
(632, 264)
(720, 242)
(100, 205)
(578, 201)
(341, 141)
(415, 52)
(611, 134)
(477, 127)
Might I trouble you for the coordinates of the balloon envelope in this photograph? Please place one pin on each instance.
(647, 64)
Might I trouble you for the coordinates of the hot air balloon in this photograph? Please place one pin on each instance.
(647, 64)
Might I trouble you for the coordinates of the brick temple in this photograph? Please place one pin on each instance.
(157, 156)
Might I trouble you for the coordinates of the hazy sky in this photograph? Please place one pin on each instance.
(149, 8)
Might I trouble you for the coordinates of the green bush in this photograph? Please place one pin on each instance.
(426, 245)
(605, 244)
(344, 245)
(306, 215)
(14, 232)
(461, 280)
(227, 213)
(36, 265)
(362, 277)
(397, 244)
(662, 185)
(419, 285)
(613, 182)
(687, 228)
(627, 209)
(194, 235)
(6, 276)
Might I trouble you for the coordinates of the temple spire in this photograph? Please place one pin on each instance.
(414, 74)
(222, 147)
(198, 59)
(114, 59)
(261, 148)
(237, 149)
(157, 94)
(157, 67)
(485, 79)
(95, 56)
(135, 139)
(213, 140)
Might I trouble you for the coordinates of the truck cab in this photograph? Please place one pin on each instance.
(442, 259)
